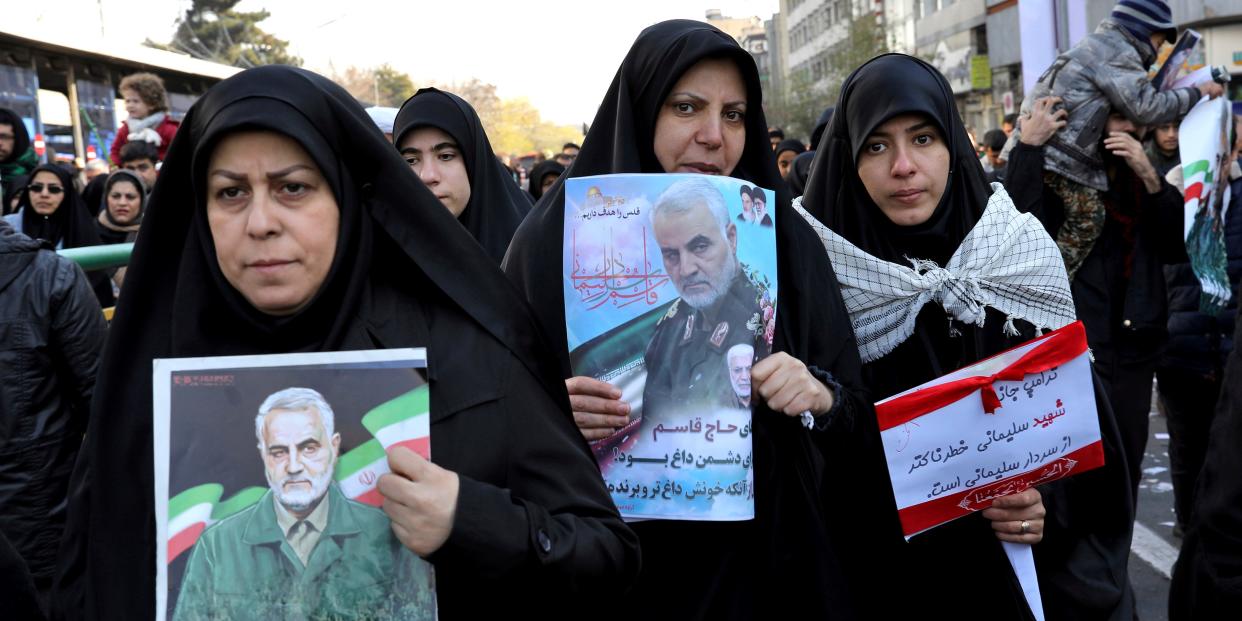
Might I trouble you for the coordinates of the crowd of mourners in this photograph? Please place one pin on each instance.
(281, 216)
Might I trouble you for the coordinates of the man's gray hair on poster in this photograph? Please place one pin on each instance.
(297, 399)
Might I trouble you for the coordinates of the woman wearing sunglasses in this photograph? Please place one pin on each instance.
(51, 210)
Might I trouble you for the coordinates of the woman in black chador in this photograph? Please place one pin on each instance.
(495, 205)
(896, 178)
(283, 221)
(687, 99)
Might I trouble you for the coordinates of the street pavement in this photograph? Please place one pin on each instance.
(1154, 548)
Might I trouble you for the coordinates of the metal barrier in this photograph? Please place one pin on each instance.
(99, 257)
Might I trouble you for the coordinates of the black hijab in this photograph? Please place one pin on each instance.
(836, 196)
(176, 303)
(111, 231)
(541, 170)
(13, 186)
(785, 561)
(799, 171)
(70, 226)
(790, 144)
(821, 124)
(497, 205)
(93, 193)
(658, 58)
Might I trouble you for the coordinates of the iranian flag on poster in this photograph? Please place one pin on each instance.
(404, 421)
(193, 510)
(1203, 143)
(359, 470)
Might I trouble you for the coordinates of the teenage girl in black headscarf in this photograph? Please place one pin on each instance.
(791, 559)
(533, 528)
(1085, 536)
(496, 205)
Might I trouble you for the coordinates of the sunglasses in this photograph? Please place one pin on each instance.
(39, 187)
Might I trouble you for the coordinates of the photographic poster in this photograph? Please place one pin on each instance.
(1175, 63)
(266, 502)
(670, 295)
(1019, 419)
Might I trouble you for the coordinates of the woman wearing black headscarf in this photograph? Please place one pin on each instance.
(790, 559)
(51, 209)
(543, 175)
(398, 272)
(493, 205)
(123, 203)
(786, 151)
(895, 176)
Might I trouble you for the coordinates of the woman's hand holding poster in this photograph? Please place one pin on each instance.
(670, 294)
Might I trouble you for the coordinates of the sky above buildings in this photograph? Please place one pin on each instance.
(560, 54)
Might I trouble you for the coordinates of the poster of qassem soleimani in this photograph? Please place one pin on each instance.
(670, 295)
(265, 486)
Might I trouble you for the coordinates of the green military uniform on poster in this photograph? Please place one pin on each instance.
(686, 356)
(243, 567)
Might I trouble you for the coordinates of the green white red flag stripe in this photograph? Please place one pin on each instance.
(359, 470)
(404, 421)
(197, 508)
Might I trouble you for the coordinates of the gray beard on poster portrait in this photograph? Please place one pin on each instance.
(394, 234)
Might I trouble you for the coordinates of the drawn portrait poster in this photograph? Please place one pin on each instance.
(670, 295)
(265, 486)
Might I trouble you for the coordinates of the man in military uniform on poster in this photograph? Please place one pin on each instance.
(303, 550)
(685, 358)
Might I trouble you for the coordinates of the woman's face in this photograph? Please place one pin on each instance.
(784, 162)
(274, 220)
(436, 158)
(701, 127)
(548, 181)
(46, 193)
(123, 201)
(134, 105)
(904, 165)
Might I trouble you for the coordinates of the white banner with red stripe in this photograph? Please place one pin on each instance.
(1021, 418)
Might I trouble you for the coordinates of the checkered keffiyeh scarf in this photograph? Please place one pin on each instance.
(1007, 261)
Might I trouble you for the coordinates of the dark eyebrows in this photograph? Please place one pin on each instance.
(741, 103)
(699, 239)
(235, 176)
(435, 149)
(921, 125)
(288, 171)
(227, 174)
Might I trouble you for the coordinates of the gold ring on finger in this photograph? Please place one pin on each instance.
(1026, 527)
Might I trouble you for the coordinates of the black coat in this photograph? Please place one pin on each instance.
(51, 334)
(1120, 290)
(1207, 580)
(1200, 342)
